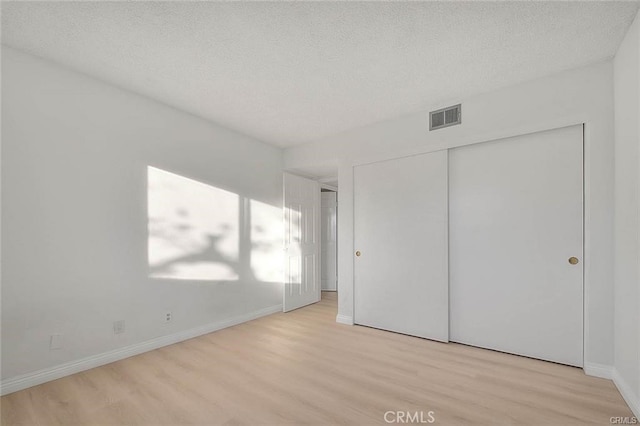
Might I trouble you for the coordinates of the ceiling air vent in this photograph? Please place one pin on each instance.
(445, 117)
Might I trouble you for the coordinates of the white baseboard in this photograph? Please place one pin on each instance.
(343, 319)
(630, 397)
(598, 370)
(45, 375)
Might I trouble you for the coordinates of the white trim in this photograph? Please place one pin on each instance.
(586, 241)
(475, 138)
(327, 186)
(45, 375)
(343, 319)
(632, 400)
(609, 372)
(598, 370)
(327, 179)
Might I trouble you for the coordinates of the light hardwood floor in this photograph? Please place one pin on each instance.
(304, 368)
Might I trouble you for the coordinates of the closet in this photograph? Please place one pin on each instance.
(480, 244)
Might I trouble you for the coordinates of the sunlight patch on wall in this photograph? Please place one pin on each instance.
(193, 229)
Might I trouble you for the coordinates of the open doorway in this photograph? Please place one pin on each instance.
(310, 243)
(329, 239)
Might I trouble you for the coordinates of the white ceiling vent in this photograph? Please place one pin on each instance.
(445, 117)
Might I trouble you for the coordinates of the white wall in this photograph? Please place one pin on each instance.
(627, 217)
(74, 210)
(583, 95)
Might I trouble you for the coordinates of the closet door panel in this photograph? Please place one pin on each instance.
(516, 222)
(401, 243)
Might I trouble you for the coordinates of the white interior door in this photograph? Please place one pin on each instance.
(515, 220)
(329, 216)
(302, 242)
(400, 220)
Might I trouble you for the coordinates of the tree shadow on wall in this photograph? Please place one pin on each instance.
(209, 254)
(199, 232)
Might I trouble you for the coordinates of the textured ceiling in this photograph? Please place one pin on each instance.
(290, 73)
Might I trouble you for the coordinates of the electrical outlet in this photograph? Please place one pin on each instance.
(167, 316)
(118, 327)
(55, 342)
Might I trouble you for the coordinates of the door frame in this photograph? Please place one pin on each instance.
(335, 236)
(329, 187)
(590, 368)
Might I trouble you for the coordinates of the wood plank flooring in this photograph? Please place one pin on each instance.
(304, 368)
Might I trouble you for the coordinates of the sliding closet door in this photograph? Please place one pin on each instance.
(400, 263)
(516, 264)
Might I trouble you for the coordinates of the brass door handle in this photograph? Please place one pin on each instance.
(358, 253)
(573, 260)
